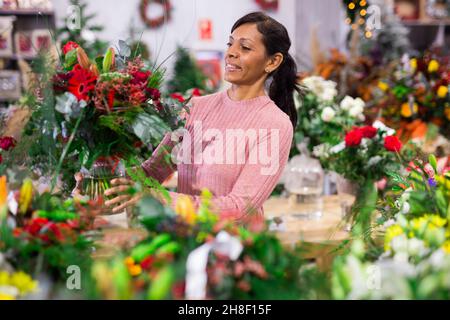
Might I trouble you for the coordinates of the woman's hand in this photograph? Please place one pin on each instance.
(123, 199)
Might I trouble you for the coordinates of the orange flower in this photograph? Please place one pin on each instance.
(408, 111)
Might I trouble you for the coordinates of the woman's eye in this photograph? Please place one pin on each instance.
(245, 48)
(228, 44)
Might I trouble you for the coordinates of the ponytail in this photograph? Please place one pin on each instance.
(283, 85)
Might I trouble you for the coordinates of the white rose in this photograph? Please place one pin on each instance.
(346, 103)
(328, 114)
(356, 111)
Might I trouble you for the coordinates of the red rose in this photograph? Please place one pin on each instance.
(392, 143)
(1, 158)
(69, 46)
(369, 132)
(140, 77)
(353, 138)
(153, 93)
(147, 263)
(177, 96)
(196, 92)
(7, 143)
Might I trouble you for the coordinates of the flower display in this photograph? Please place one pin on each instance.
(167, 263)
(417, 89)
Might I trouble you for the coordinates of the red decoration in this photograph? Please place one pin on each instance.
(205, 26)
(159, 21)
(268, 4)
(353, 138)
(392, 143)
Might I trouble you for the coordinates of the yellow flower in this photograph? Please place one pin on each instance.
(413, 64)
(26, 196)
(129, 261)
(433, 66)
(23, 282)
(185, 208)
(391, 232)
(406, 110)
(446, 246)
(383, 86)
(418, 224)
(135, 270)
(442, 91)
(4, 278)
(6, 297)
(436, 220)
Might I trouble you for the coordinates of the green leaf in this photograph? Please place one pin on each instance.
(149, 128)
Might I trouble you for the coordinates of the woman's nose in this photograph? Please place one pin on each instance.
(231, 52)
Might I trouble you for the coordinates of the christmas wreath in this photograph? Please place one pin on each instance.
(268, 4)
(158, 21)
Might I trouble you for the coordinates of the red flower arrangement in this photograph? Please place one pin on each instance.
(69, 46)
(393, 144)
(7, 143)
(81, 82)
(353, 138)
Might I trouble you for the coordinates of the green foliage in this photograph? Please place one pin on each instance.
(187, 74)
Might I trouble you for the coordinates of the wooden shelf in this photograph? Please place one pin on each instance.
(23, 12)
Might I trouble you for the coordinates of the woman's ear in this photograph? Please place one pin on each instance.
(275, 61)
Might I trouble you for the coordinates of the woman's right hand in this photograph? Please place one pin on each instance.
(122, 197)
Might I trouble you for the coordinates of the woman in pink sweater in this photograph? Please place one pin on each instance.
(235, 143)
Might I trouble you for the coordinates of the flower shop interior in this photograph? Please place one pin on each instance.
(90, 89)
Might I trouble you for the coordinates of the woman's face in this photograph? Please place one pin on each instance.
(246, 59)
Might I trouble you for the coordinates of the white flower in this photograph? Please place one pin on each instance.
(416, 247)
(325, 90)
(405, 208)
(399, 244)
(356, 111)
(347, 103)
(328, 114)
(354, 106)
(374, 161)
(381, 126)
(321, 150)
(338, 148)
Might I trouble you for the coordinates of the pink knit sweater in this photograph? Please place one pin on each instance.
(235, 149)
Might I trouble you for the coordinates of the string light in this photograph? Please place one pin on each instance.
(348, 21)
(363, 3)
(368, 34)
(351, 6)
(361, 21)
(363, 12)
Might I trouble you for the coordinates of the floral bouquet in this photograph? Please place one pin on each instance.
(415, 258)
(41, 234)
(324, 120)
(107, 110)
(193, 254)
(364, 158)
(417, 89)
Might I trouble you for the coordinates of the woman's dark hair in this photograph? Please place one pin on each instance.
(276, 39)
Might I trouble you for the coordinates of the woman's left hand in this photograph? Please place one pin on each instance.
(122, 199)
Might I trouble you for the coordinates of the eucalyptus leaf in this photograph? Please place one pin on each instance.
(149, 128)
